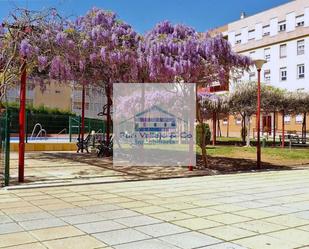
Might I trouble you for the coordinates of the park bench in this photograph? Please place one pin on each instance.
(293, 138)
(83, 144)
(104, 149)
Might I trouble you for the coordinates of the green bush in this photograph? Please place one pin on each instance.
(199, 134)
(14, 107)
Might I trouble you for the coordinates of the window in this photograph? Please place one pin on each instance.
(57, 91)
(283, 74)
(267, 76)
(282, 26)
(225, 121)
(238, 38)
(251, 76)
(300, 21)
(238, 120)
(283, 51)
(267, 54)
(299, 119)
(266, 30)
(301, 71)
(300, 47)
(287, 119)
(251, 34)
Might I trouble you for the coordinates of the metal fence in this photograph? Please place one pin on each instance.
(5, 123)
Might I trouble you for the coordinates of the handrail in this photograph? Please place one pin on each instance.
(63, 130)
(41, 132)
(34, 128)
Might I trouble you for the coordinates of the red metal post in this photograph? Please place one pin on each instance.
(83, 118)
(22, 111)
(283, 131)
(274, 130)
(258, 118)
(214, 123)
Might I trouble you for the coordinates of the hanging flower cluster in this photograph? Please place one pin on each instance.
(100, 49)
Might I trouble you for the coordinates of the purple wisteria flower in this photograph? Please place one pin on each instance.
(25, 48)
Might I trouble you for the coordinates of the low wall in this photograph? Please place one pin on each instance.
(45, 147)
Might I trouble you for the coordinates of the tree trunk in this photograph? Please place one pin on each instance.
(83, 118)
(219, 128)
(304, 129)
(243, 129)
(228, 126)
(108, 114)
(248, 130)
(200, 120)
(274, 130)
(204, 153)
(282, 138)
(214, 132)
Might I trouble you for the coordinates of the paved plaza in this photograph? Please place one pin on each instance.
(256, 210)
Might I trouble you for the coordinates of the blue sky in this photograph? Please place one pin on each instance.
(144, 14)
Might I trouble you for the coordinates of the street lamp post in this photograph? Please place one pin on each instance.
(258, 64)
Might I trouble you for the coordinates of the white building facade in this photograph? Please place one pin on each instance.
(279, 35)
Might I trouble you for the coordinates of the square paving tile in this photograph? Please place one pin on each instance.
(295, 236)
(56, 233)
(287, 220)
(31, 216)
(228, 218)
(5, 219)
(264, 241)
(27, 246)
(147, 244)
(161, 229)
(83, 218)
(260, 226)
(102, 208)
(151, 209)
(69, 211)
(224, 246)
(141, 220)
(228, 233)
(100, 226)
(123, 213)
(197, 223)
(121, 236)
(42, 223)
(190, 240)
(10, 228)
(171, 216)
(14, 239)
(254, 213)
(83, 242)
(305, 228)
(302, 215)
(228, 208)
(201, 211)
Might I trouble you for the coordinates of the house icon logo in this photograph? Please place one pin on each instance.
(155, 119)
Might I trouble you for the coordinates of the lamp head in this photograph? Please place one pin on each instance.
(259, 63)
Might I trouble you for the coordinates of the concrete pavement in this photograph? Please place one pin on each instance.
(253, 210)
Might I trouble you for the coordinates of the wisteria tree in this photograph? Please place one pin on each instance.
(211, 106)
(24, 40)
(112, 46)
(179, 52)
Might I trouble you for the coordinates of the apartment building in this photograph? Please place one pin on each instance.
(280, 36)
(63, 97)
